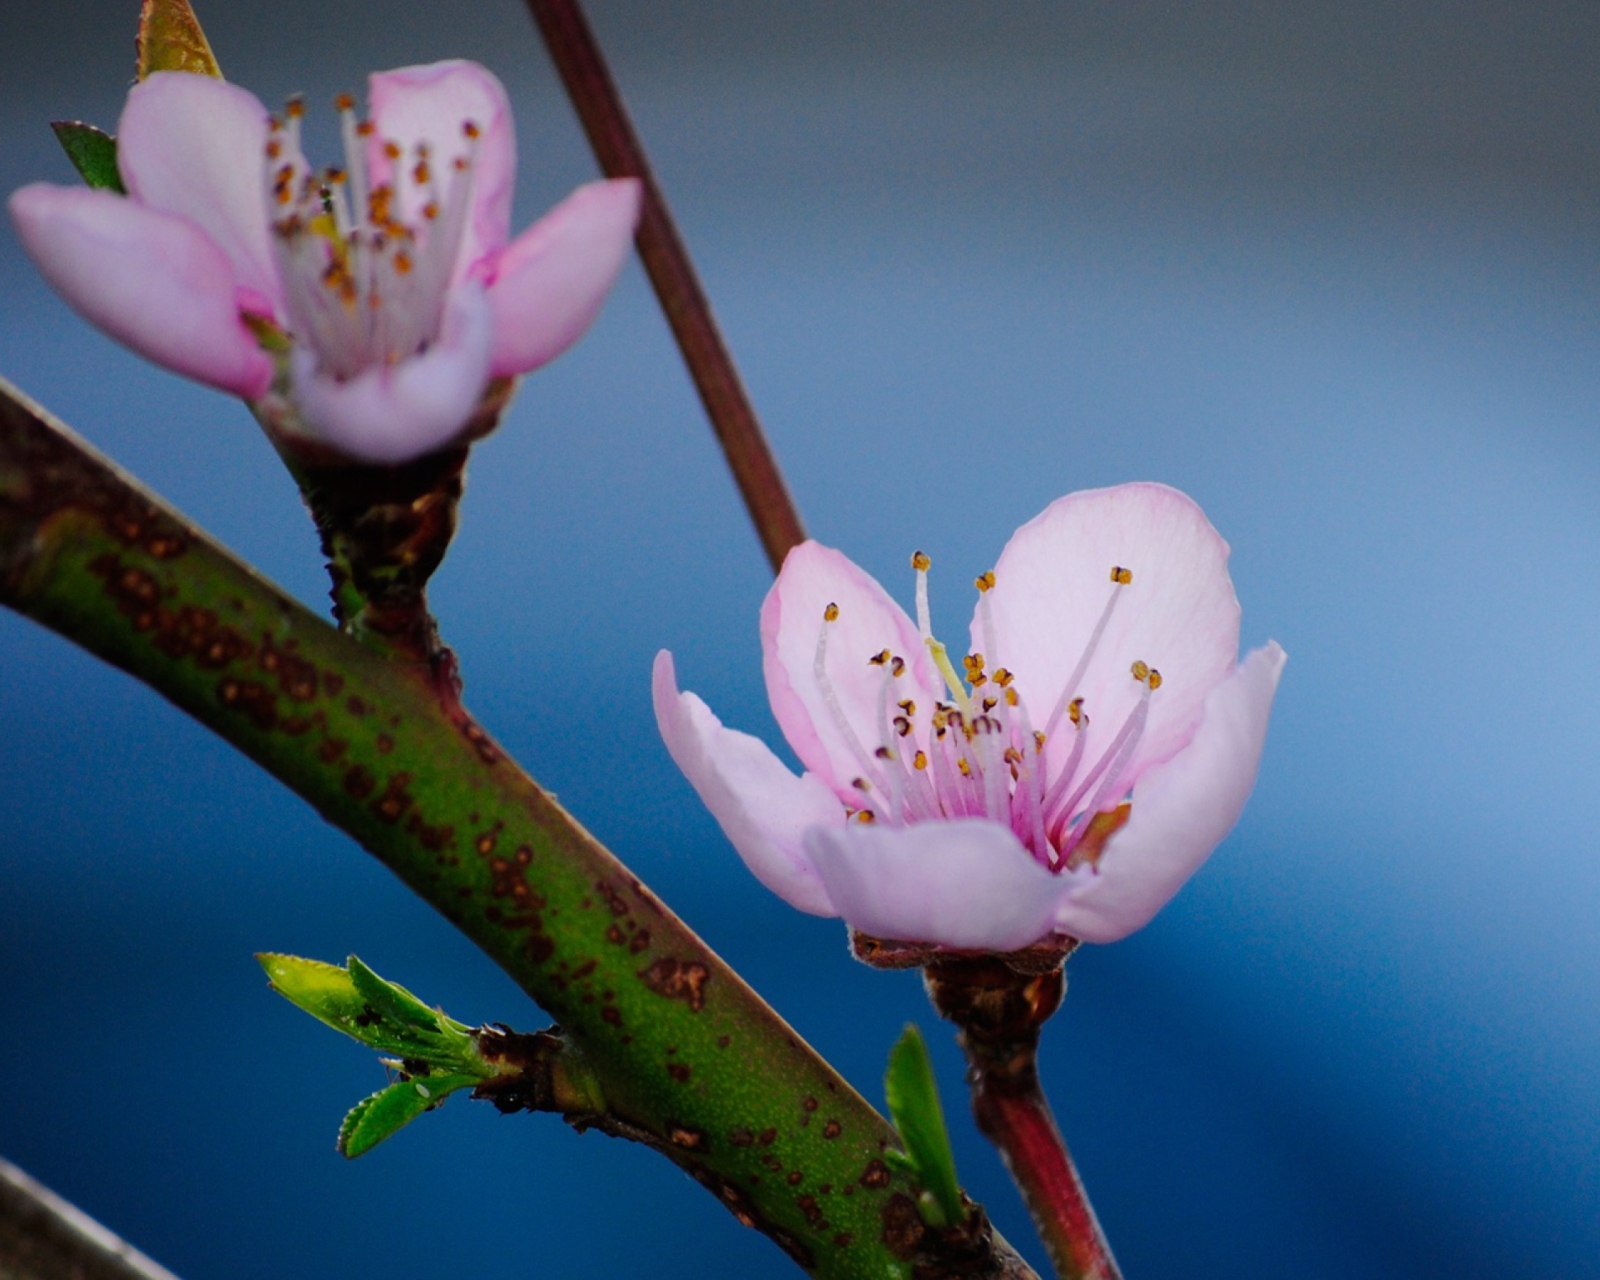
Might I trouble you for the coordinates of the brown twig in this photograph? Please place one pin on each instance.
(594, 94)
(42, 1237)
(1000, 1010)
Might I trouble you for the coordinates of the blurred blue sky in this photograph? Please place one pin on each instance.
(1331, 268)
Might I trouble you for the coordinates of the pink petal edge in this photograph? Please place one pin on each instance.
(1181, 810)
(966, 883)
(192, 145)
(153, 281)
(430, 104)
(392, 413)
(547, 285)
(761, 806)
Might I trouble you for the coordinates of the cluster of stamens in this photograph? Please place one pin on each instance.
(363, 286)
(979, 755)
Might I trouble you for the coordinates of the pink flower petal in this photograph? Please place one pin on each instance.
(1179, 614)
(154, 282)
(549, 283)
(967, 883)
(814, 576)
(763, 809)
(430, 104)
(1181, 809)
(393, 413)
(193, 145)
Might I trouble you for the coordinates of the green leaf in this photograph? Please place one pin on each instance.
(389, 1110)
(436, 1055)
(93, 153)
(381, 1015)
(913, 1095)
(393, 1001)
(170, 39)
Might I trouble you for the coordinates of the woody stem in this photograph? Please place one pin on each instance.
(576, 54)
(42, 1237)
(1000, 1012)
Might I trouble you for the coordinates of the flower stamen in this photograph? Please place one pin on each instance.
(1120, 577)
(362, 286)
(1111, 764)
(830, 697)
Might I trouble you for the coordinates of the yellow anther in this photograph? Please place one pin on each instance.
(295, 108)
(344, 102)
(883, 753)
(1120, 575)
(920, 562)
(860, 784)
(966, 769)
(879, 659)
(1011, 697)
(365, 129)
(984, 581)
(1038, 742)
(902, 726)
(989, 704)
(897, 668)
(866, 816)
(908, 706)
(920, 760)
(1141, 671)
(1155, 680)
(1013, 756)
(402, 262)
(831, 613)
(1075, 710)
(391, 149)
(1002, 677)
(469, 128)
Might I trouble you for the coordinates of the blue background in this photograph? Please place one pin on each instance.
(1330, 267)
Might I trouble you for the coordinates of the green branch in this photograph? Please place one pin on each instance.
(683, 1049)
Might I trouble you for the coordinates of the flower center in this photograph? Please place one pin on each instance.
(361, 286)
(979, 755)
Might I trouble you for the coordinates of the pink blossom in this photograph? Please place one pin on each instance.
(392, 279)
(1094, 745)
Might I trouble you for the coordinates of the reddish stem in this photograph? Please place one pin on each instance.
(568, 37)
(1000, 1012)
(1017, 1120)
